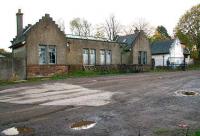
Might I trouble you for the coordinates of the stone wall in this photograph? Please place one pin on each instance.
(11, 69)
(76, 46)
(5, 68)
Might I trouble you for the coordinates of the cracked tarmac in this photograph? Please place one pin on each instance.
(120, 105)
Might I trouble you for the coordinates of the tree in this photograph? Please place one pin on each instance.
(61, 24)
(99, 31)
(140, 24)
(112, 27)
(80, 27)
(160, 34)
(188, 28)
(2, 50)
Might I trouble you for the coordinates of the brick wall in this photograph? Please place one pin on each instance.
(45, 70)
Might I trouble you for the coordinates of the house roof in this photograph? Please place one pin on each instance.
(21, 38)
(161, 47)
(70, 36)
(127, 40)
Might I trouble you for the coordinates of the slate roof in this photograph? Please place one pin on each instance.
(161, 47)
(21, 38)
(127, 39)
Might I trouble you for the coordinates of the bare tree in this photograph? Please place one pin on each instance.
(61, 24)
(140, 24)
(99, 31)
(80, 27)
(112, 27)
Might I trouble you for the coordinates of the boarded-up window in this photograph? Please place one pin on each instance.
(92, 56)
(102, 57)
(108, 57)
(85, 56)
(42, 54)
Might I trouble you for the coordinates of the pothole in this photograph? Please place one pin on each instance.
(186, 93)
(16, 131)
(83, 124)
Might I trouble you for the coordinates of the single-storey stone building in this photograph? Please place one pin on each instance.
(45, 50)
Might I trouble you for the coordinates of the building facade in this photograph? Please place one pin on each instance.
(168, 52)
(45, 50)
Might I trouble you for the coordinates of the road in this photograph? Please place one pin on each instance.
(120, 105)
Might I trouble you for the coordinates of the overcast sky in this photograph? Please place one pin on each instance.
(156, 12)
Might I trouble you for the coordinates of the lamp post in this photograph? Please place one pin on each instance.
(185, 54)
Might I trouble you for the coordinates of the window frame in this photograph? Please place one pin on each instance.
(49, 57)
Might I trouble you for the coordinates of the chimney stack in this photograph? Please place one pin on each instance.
(136, 30)
(19, 16)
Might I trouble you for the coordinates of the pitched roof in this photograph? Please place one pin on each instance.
(70, 36)
(127, 39)
(161, 47)
(21, 38)
(17, 41)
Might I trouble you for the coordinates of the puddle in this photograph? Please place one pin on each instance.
(186, 93)
(84, 124)
(189, 93)
(16, 131)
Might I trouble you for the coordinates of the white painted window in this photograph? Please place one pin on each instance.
(108, 57)
(142, 57)
(85, 56)
(42, 54)
(102, 57)
(47, 54)
(92, 56)
(52, 55)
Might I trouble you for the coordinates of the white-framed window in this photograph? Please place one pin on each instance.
(85, 56)
(142, 57)
(102, 57)
(92, 56)
(47, 54)
(108, 57)
(42, 54)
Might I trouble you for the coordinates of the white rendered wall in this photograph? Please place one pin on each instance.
(176, 53)
(160, 58)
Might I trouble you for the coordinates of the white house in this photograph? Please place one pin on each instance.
(168, 51)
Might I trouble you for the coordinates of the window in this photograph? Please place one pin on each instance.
(102, 57)
(108, 57)
(42, 55)
(142, 57)
(47, 54)
(92, 56)
(85, 56)
(52, 55)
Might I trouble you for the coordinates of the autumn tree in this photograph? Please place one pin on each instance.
(188, 28)
(160, 34)
(80, 27)
(112, 27)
